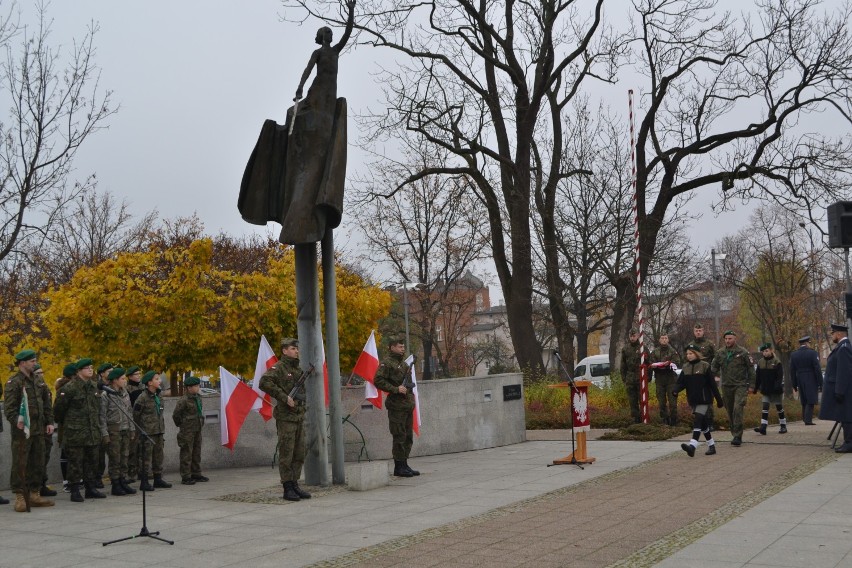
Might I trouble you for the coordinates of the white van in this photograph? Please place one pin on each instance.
(594, 368)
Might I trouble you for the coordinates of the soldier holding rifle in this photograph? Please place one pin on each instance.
(284, 382)
(394, 377)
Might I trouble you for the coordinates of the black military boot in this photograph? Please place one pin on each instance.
(711, 450)
(300, 492)
(93, 493)
(127, 489)
(99, 483)
(783, 429)
(117, 488)
(144, 485)
(761, 429)
(75, 493)
(290, 492)
(46, 491)
(187, 480)
(408, 467)
(3, 501)
(161, 483)
(400, 470)
(688, 448)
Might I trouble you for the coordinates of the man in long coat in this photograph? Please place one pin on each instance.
(806, 376)
(836, 401)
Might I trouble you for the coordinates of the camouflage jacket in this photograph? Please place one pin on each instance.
(391, 374)
(278, 381)
(112, 417)
(38, 397)
(148, 413)
(630, 361)
(78, 410)
(665, 353)
(734, 366)
(188, 415)
(708, 350)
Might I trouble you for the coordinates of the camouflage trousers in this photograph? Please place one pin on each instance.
(735, 397)
(48, 447)
(31, 451)
(401, 426)
(151, 455)
(133, 456)
(666, 399)
(291, 449)
(632, 388)
(190, 453)
(82, 463)
(117, 451)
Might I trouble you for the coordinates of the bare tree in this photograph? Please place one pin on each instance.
(431, 233)
(483, 81)
(725, 105)
(55, 106)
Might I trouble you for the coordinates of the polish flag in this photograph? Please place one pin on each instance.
(324, 373)
(366, 367)
(410, 362)
(237, 401)
(265, 359)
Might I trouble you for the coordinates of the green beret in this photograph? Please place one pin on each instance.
(131, 371)
(38, 367)
(729, 332)
(84, 362)
(147, 377)
(765, 346)
(70, 370)
(116, 373)
(191, 382)
(25, 355)
(104, 367)
(289, 342)
(695, 349)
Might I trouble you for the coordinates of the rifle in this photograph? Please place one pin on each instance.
(408, 382)
(300, 382)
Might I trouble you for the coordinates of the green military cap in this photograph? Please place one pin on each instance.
(104, 367)
(289, 342)
(70, 370)
(84, 362)
(131, 371)
(191, 382)
(116, 373)
(147, 377)
(729, 332)
(37, 367)
(765, 346)
(25, 355)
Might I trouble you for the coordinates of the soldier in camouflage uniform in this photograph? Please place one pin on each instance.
(30, 450)
(708, 351)
(289, 414)
(45, 490)
(133, 388)
(103, 373)
(665, 379)
(77, 410)
(630, 361)
(736, 369)
(392, 373)
(68, 373)
(148, 414)
(116, 413)
(189, 418)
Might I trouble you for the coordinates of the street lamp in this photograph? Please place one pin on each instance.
(813, 283)
(405, 286)
(713, 257)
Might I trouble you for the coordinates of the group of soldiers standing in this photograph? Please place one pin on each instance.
(113, 414)
(733, 369)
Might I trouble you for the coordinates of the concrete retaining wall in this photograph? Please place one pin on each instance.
(458, 415)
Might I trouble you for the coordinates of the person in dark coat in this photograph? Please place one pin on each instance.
(769, 381)
(806, 377)
(836, 401)
(698, 380)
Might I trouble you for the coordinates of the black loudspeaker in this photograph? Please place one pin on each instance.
(840, 224)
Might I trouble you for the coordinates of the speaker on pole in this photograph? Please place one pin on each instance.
(840, 224)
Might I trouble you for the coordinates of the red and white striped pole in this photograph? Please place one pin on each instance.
(643, 368)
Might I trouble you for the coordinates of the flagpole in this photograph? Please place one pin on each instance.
(329, 281)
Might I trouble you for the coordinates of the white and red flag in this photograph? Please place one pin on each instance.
(410, 362)
(324, 373)
(265, 359)
(366, 367)
(237, 401)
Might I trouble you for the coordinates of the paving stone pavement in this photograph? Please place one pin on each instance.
(639, 504)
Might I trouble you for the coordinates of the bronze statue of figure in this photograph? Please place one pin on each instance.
(296, 173)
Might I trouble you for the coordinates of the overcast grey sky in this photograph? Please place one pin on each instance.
(195, 80)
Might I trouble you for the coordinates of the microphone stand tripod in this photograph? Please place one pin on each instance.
(144, 530)
(573, 388)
